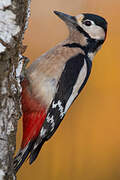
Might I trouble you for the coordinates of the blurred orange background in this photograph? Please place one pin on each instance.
(86, 146)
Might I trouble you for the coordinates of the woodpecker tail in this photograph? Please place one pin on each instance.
(24, 153)
(21, 156)
(35, 151)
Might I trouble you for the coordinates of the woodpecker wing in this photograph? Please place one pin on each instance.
(71, 82)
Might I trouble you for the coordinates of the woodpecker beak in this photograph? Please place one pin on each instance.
(65, 17)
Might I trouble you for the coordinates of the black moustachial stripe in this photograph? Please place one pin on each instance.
(92, 45)
(81, 30)
(75, 45)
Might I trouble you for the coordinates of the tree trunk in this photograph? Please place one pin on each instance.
(13, 22)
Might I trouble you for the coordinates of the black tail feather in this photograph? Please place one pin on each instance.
(34, 153)
(21, 156)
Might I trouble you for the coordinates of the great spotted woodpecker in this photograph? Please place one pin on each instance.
(55, 79)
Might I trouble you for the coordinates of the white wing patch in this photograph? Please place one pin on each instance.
(61, 109)
(51, 121)
(77, 85)
(42, 132)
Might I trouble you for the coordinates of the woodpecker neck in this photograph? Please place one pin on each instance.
(76, 37)
(79, 38)
(93, 45)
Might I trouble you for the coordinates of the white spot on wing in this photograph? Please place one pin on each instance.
(41, 136)
(77, 86)
(51, 121)
(42, 132)
(61, 109)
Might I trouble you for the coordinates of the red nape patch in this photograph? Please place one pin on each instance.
(32, 123)
(34, 114)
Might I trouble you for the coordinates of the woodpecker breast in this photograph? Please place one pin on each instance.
(45, 72)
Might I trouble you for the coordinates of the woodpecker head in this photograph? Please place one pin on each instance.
(90, 28)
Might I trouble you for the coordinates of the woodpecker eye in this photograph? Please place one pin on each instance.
(88, 23)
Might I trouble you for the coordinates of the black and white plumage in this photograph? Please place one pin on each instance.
(55, 80)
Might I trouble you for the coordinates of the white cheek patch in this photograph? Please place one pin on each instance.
(94, 31)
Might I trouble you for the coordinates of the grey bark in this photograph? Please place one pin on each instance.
(11, 49)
